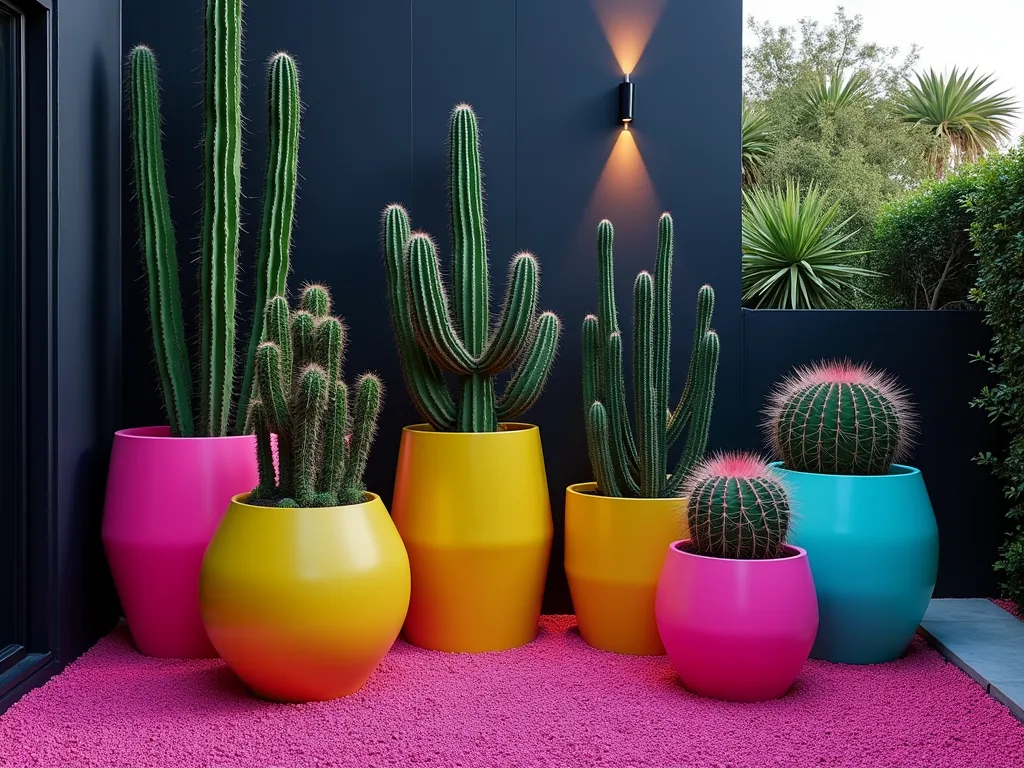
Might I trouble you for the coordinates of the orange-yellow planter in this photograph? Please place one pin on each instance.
(474, 512)
(303, 604)
(614, 550)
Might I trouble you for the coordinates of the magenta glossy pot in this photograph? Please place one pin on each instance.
(165, 498)
(738, 630)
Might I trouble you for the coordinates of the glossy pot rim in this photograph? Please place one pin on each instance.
(799, 553)
(903, 471)
(241, 500)
(505, 429)
(163, 433)
(579, 489)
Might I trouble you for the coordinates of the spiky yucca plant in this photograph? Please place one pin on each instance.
(222, 163)
(738, 508)
(961, 113)
(758, 142)
(300, 396)
(435, 334)
(833, 92)
(638, 467)
(793, 251)
(840, 418)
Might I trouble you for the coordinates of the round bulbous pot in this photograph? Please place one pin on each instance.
(736, 630)
(873, 546)
(614, 551)
(165, 497)
(474, 513)
(303, 603)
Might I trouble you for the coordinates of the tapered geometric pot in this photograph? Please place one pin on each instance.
(614, 550)
(873, 546)
(474, 513)
(737, 630)
(165, 497)
(304, 603)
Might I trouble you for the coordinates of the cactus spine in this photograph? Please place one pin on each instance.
(840, 418)
(637, 467)
(221, 221)
(299, 395)
(435, 335)
(738, 508)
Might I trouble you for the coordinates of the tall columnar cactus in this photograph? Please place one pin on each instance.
(221, 220)
(738, 508)
(322, 441)
(639, 467)
(435, 335)
(840, 418)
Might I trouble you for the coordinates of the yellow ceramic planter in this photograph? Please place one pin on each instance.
(614, 550)
(303, 604)
(474, 513)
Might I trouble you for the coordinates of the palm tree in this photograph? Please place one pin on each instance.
(792, 251)
(758, 142)
(957, 110)
(833, 92)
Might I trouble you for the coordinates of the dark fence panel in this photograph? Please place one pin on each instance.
(378, 81)
(929, 352)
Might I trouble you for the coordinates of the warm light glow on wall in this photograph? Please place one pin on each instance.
(628, 25)
(624, 193)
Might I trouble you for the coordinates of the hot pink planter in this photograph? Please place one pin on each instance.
(738, 630)
(165, 498)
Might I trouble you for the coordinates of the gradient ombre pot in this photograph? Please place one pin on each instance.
(873, 546)
(737, 630)
(303, 603)
(165, 497)
(474, 513)
(614, 550)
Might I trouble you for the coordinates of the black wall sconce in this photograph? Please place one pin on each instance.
(627, 92)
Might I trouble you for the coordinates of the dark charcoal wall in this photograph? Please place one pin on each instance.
(88, 311)
(378, 82)
(929, 352)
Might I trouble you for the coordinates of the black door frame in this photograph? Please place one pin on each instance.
(32, 510)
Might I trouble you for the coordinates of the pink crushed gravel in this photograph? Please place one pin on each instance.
(553, 704)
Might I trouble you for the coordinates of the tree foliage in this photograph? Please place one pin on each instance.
(923, 244)
(998, 234)
(831, 98)
(958, 110)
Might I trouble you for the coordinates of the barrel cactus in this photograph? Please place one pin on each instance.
(322, 440)
(639, 467)
(738, 508)
(218, 242)
(435, 334)
(840, 418)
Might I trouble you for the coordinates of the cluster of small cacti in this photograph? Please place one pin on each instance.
(840, 418)
(221, 222)
(737, 508)
(300, 396)
(639, 467)
(435, 334)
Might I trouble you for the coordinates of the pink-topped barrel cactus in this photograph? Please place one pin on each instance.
(738, 508)
(838, 417)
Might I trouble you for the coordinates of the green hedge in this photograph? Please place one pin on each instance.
(922, 244)
(998, 234)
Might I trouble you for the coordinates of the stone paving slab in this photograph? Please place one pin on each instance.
(984, 641)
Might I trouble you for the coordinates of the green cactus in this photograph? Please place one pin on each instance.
(221, 222)
(840, 418)
(299, 395)
(435, 335)
(738, 508)
(638, 467)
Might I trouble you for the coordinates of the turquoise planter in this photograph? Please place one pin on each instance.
(873, 547)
